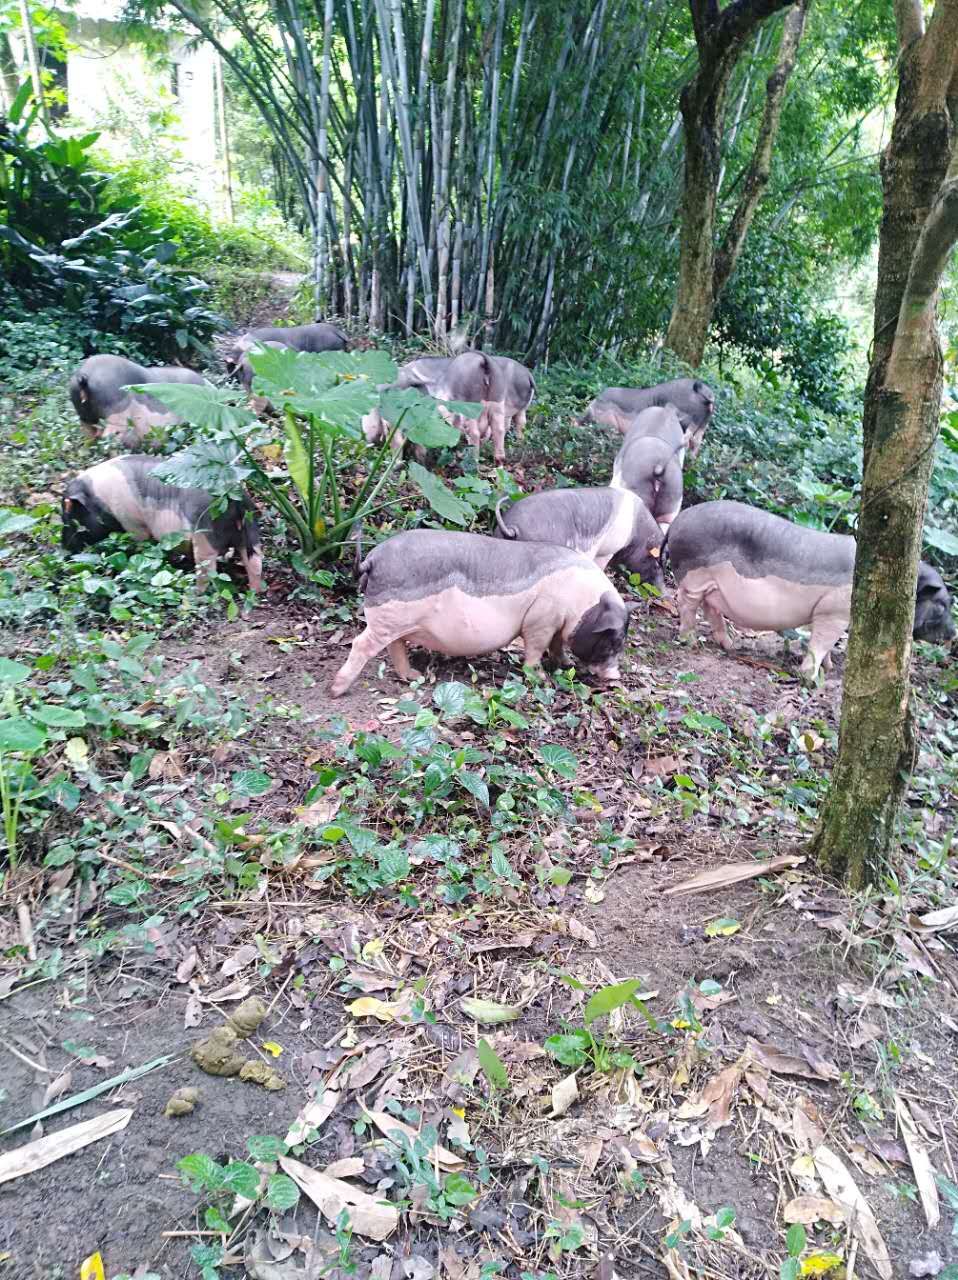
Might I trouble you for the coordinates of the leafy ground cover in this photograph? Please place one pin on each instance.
(546, 983)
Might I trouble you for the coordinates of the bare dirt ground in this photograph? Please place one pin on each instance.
(805, 1042)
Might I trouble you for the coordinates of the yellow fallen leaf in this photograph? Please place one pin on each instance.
(723, 928)
(803, 1167)
(77, 752)
(92, 1268)
(272, 1047)
(370, 1007)
(459, 1111)
(374, 947)
(820, 1264)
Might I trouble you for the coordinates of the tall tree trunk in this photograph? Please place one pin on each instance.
(720, 37)
(759, 170)
(224, 135)
(9, 74)
(33, 59)
(877, 742)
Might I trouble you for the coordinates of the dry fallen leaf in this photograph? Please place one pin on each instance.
(937, 921)
(321, 812)
(348, 1167)
(786, 1064)
(43, 1151)
(920, 1163)
(370, 1007)
(842, 1188)
(732, 873)
(313, 1116)
(241, 957)
(809, 1209)
(488, 1012)
(719, 1094)
(368, 1216)
(581, 932)
(807, 1128)
(387, 1126)
(564, 1094)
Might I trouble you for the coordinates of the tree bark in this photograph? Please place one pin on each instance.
(33, 60)
(9, 74)
(759, 170)
(720, 37)
(856, 838)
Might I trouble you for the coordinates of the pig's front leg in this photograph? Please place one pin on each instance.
(204, 558)
(688, 613)
(519, 422)
(399, 657)
(364, 648)
(542, 629)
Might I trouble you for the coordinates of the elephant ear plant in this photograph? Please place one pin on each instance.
(311, 464)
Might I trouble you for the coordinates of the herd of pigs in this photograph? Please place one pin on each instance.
(541, 576)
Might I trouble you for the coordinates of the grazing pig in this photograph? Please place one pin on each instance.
(650, 462)
(768, 574)
(608, 525)
(122, 494)
(99, 395)
(618, 406)
(502, 386)
(321, 336)
(464, 594)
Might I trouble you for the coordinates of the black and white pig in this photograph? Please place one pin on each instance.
(649, 463)
(608, 525)
(765, 573)
(321, 336)
(99, 393)
(503, 387)
(122, 495)
(464, 594)
(694, 400)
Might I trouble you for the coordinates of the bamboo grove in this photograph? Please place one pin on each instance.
(514, 167)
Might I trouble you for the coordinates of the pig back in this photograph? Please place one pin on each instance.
(758, 544)
(423, 562)
(96, 388)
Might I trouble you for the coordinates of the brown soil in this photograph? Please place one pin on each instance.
(781, 968)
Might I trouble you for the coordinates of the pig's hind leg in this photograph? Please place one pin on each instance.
(716, 621)
(399, 657)
(826, 632)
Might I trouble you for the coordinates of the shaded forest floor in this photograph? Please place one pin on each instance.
(437, 893)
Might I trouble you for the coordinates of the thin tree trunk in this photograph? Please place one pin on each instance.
(856, 839)
(720, 36)
(224, 135)
(33, 60)
(322, 168)
(759, 170)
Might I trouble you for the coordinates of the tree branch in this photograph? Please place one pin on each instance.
(939, 51)
(759, 170)
(910, 22)
(935, 246)
(739, 19)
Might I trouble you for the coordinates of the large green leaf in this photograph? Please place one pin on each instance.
(213, 465)
(13, 672)
(442, 500)
(559, 758)
(14, 522)
(207, 407)
(58, 717)
(340, 409)
(942, 541)
(281, 373)
(375, 365)
(418, 418)
(17, 734)
(610, 998)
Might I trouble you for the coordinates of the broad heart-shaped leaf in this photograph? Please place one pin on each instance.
(265, 1147)
(17, 734)
(58, 717)
(13, 672)
(251, 782)
(468, 408)
(13, 522)
(449, 697)
(609, 998)
(281, 372)
(339, 410)
(213, 465)
(282, 1192)
(492, 1065)
(442, 499)
(570, 1050)
(378, 366)
(942, 541)
(418, 417)
(475, 786)
(242, 1178)
(207, 407)
(559, 758)
(200, 1172)
(393, 865)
